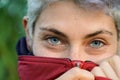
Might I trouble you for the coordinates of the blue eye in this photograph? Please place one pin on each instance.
(96, 44)
(54, 41)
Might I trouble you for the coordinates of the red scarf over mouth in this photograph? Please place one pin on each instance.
(31, 67)
(44, 68)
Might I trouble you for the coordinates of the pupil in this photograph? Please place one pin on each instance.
(54, 40)
(96, 43)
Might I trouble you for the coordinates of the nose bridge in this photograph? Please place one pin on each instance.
(76, 52)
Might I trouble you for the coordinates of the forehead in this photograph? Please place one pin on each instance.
(64, 15)
(70, 11)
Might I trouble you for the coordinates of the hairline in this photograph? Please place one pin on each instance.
(32, 22)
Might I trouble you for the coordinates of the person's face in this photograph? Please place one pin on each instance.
(64, 30)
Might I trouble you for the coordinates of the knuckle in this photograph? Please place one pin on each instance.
(82, 74)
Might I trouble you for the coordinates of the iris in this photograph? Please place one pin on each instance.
(96, 44)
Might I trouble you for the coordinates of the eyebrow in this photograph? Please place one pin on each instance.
(99, 32)
(55, 31)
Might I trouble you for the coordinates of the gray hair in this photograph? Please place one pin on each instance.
(35, 8)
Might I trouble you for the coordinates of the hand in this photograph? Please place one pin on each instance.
(76, 74)
(109, 68)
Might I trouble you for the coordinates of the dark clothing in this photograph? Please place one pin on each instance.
(22, 47)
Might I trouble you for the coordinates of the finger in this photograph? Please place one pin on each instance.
(76, 74)
(109, 72)
(97, 71)
(115, 63)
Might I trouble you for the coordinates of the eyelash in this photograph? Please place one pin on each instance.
(47, 38)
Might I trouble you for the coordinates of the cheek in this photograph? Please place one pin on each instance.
(111, 51)
(39, 49)
(104, 53)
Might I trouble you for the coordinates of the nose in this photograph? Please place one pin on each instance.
(77, 52)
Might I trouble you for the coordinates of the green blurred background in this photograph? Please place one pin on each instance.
(11, 14)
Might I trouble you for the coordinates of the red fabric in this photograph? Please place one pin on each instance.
(43, 68)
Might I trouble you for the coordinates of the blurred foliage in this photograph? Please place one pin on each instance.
(11, 14)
